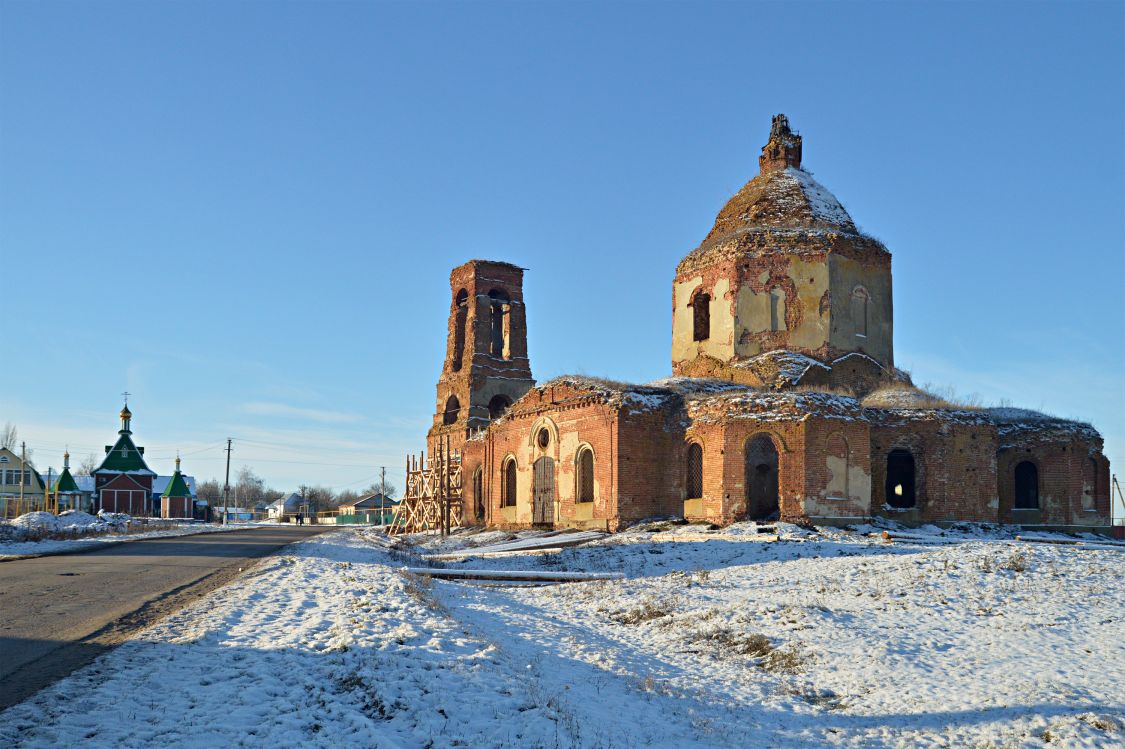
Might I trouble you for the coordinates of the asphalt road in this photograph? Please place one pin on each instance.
(58, 613)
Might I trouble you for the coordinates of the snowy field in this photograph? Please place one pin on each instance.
(88, 531)
(816, 639)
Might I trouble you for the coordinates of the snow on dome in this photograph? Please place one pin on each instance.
(781, 210)
(785, 199)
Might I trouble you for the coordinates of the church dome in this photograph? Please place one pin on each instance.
(782, 209)
(785, 199)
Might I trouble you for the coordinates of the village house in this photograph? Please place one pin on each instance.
(372, 508)
(784, 401)
(281, 509)
(18, 480)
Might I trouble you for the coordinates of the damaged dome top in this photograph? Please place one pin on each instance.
(782, 196)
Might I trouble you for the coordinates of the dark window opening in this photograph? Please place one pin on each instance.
(500, 307)
(508, 487)
(498, 406)
(452, 410)
(478, 494)
(1093, 477)
(1027, 486)
(694, 471)
(763, 501)
(460, 314)
(585, 475)
(900, 479)
(543, 438)
(701, 314)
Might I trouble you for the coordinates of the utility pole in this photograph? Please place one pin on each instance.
(383, 493)
(23, 471)
(226, 487)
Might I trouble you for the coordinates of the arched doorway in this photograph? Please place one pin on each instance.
(762, 500)
(1027, 486)
(543, 493)
(900, 479)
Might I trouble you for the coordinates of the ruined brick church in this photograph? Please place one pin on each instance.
(784, 400)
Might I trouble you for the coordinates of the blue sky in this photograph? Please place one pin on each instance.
(245, 213)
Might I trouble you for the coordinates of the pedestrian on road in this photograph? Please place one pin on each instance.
(300, 519)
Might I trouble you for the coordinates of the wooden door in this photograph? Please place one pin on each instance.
(543, 504)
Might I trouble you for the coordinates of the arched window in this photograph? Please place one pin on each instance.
(508, 485)
(694, 471)
(861, 310)
(777, 309)
(478, 493)
(452, 410)
(498, 406)
(584, 478)
(500, 305)
(900, 479)
(837, 458)
(460, 314)
(1027, 486)
(701, 316)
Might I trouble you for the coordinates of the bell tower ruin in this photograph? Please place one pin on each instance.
(486, 366)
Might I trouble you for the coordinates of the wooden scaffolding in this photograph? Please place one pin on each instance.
(433, 493)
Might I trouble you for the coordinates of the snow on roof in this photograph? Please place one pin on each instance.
(639, 397)
(160, 483)
(292, 500)
(790, 366)
(1023, 422)
(769, 405)
(712, 400)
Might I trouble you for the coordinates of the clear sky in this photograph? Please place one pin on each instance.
(245, 213)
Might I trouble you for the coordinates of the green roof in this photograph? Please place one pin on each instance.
(177, 487)
(124, 457)
(65, 483)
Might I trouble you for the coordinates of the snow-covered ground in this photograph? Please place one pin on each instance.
(86, 532)
(817, 639)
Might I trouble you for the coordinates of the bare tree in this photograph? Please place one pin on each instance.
(9, 436)
(377, 488)
(210, 491)
(249, 488)
(347, 496)
(316, 497)
(88, 465)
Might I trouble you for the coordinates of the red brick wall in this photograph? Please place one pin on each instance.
(653, 464)
(573, 419)
(788, 438)
(1071, 490)
(955, 470)
(837, 468)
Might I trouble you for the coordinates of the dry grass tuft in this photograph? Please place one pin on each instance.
(647, 611)
(786, 660)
